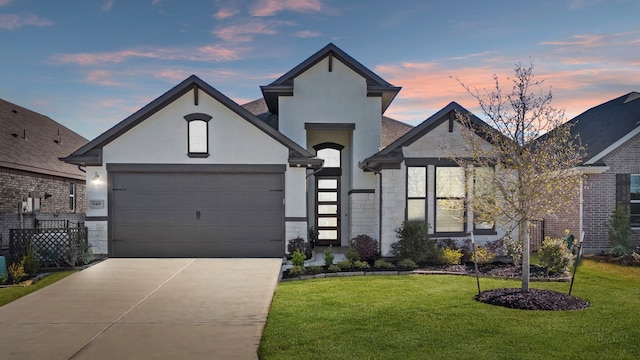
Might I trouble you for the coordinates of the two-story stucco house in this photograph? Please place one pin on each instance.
(195, 174)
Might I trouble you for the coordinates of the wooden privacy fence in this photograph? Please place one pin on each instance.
(54, 247)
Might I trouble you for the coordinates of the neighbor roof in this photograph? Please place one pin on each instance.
(33, 142)
(391, 128)
(391, 156)
(605, 127)
(283, 86)
(91, 153)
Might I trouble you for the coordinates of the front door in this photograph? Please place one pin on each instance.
(328, 210)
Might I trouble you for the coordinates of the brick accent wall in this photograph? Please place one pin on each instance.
(568, 218)
(15, 185)
(362, 209)
(600, 195)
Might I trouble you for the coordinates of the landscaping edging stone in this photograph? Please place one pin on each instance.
(417, 272)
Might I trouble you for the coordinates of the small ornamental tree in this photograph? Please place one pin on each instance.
(532, 151)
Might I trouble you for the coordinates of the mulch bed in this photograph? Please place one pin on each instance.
(534, 299)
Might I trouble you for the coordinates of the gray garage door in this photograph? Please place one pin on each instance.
(197, 214)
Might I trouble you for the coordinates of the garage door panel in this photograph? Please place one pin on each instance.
(197, 215)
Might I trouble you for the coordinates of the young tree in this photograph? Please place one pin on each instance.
(533, 153)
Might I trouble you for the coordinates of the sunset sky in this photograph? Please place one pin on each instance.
(90, 64)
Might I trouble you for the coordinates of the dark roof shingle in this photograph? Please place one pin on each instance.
(33, 142)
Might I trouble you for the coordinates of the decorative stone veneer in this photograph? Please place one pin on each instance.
(393, 206)
(362, 210)
(98, 236)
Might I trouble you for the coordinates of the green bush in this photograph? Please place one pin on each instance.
(345, 265)
(352, 254)
(366, 247)
(619, 229)
(414, 243)
(334, 268)
(299, 244)
(451, 256)
(298, 258)
(359, 264)
(555, 256)
(328, 257)
(483, 255)
(514, 249)
(30, 261)
(383, 264)
(297, 270)
(315, 269)
(407, 264)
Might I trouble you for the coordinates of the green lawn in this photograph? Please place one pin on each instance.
(10, 294)
(435, 317)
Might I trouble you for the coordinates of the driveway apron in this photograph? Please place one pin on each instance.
(145, 309)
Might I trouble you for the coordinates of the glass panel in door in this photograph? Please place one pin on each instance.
(328, 210)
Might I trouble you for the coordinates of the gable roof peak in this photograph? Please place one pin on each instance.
(283, 86)
(632, 96)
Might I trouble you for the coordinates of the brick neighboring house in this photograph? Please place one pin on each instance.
(610, 133)
(31, 172)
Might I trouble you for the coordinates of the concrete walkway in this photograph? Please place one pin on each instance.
(145, 309)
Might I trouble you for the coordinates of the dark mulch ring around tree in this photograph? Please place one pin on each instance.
(534, 299)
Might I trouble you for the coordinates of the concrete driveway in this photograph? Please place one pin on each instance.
(145, 309)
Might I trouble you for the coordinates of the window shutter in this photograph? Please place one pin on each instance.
(623, 188)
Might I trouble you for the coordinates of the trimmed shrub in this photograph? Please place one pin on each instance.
(298, 258)
(407, 264)
(451, 256)
(484, 255)
(30, 261)
(467, 251)
(301, 245)
(383, 264)
(334, 268)
(619, 229)
(414, 243)
(514, 249)
(631, 259)
(366, 247)
(555, 256)
(345, 265)
(297, 270)
(352, 254)
(447, 243)
(315, 269)
(359, 264)
(328, 257)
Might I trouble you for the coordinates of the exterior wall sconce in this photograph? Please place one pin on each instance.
(96, 178)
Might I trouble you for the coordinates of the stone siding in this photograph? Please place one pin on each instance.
(98, 237)
(393, 206)
(362, 209)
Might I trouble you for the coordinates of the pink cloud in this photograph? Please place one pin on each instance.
(13, 21)
(429, 86)
(225, 13)
(102, 77)
(4, 2)
(307, 34)
(246, 31)
(215, 53)
(272, 7)
(107, 5)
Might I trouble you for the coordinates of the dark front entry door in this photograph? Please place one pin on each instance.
(328, 210)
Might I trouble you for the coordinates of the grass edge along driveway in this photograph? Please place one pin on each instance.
(436, 317)
(13, 293)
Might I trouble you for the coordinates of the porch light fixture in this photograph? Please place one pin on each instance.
(96, 178)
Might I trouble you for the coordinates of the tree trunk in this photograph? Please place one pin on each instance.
(523, 234)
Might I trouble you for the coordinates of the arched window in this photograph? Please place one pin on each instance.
(198, 135)
(330, 153)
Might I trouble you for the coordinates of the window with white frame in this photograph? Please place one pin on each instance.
(198, 135)
(635, 200)
(450, 194)
(416, 193)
